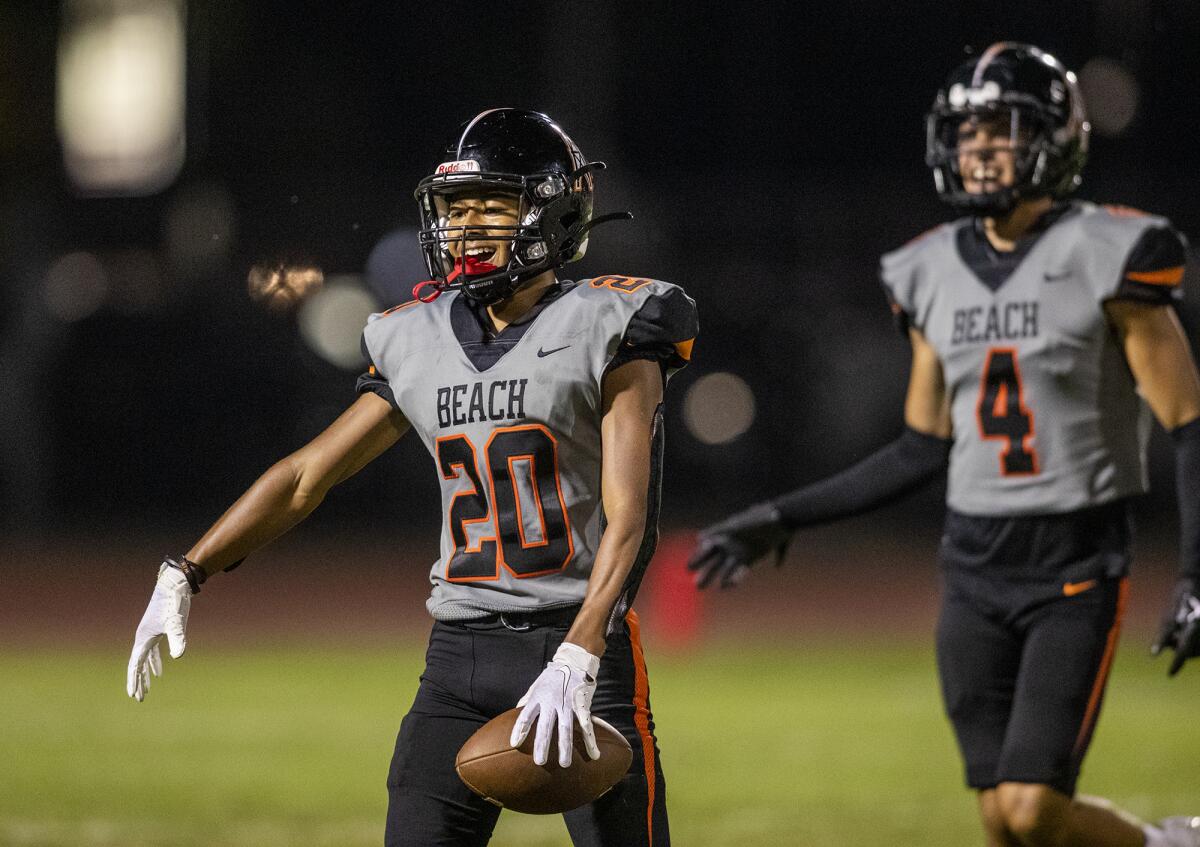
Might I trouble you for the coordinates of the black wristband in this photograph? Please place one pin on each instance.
(193, 573)
(911, 460)
(1187, 488)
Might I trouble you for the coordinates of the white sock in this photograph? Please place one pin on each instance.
(1155, 837)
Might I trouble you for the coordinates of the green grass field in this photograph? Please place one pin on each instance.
(813, 746)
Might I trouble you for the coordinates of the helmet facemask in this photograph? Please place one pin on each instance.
(553, 216)
(1024, 135)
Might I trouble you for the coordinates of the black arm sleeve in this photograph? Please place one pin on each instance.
(906, 463)
(1187, 486)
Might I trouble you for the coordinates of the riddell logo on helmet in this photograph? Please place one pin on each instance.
(461, 166)
(961, 96)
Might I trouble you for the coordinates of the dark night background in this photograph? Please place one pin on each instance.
(770, 152)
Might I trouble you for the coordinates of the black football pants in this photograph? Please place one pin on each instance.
(475, 671)
(1031, 613)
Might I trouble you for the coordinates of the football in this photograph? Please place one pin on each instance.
(508, 777)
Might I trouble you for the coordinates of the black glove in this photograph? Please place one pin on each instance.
(726, 550)
(1181, 626)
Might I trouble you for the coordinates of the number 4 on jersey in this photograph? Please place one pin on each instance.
(1002, 413)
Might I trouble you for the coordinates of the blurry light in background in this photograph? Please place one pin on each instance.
(1110, 94)
(395, 265)
(718, 408)
(121, 94)
(281, 286)
(332, 320)
(75, 287)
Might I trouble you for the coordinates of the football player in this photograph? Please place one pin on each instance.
(540, 401)
(1041, 329)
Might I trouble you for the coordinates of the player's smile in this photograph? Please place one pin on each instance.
(480, 253)
(987, 153)
(479, 214)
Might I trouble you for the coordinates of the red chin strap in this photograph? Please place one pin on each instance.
(474, 268)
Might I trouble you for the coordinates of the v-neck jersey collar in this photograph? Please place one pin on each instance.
(994, 267)
(476, 334)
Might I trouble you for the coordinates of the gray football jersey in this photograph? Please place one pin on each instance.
(516, 443)
(1046, 414)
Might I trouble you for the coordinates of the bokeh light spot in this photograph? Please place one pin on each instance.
(1110, 93)
(281, 286)
(718, 408)
(332, 320)
(75, 286)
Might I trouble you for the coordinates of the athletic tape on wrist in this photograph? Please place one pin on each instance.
(193, 573)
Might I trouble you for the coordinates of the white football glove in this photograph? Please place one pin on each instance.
(561, 694)
(167, 615)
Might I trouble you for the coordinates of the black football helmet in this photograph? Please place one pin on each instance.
(1042, 103)
(526, 154)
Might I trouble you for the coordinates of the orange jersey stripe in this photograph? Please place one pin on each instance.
(641, 716)
(684, 349)
(1166, 276)
(1110, 649)
(401, 306)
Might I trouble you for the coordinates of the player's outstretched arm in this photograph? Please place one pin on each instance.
(276, 502)
(562, 694)
(725, 551)
(1161, 362)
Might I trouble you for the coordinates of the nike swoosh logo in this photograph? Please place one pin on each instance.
(1070, 589)
(1059, 277)
(542, 353)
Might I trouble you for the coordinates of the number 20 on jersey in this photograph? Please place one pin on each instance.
(521, 465)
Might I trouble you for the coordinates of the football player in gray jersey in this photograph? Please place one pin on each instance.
(540, 401)
(1043, 337)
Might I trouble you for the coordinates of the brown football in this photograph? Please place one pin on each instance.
(509, 778)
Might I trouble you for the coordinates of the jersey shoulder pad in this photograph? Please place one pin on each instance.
(1143, 254)
(1118, 227)
(657, 314)
(387, 334)
(909, 272)
(620, 284)
(914, 248)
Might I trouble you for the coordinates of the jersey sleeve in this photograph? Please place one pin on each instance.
(663, 330)
(1153, 271)
(900, 275)
(372, 379)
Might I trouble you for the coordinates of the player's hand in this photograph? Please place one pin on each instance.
(166, 615)
(725, 551)
(560, 696)
(1181, 625)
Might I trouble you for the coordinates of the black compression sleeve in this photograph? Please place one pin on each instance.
(1187, 487)
(906, 463)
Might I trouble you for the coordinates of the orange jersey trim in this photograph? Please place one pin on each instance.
(1119, 211)
(401, 306)
(1110, 649)
(1166, 276)
(641, 716)
(624, 284)
(1070, 589)
(684, 349)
